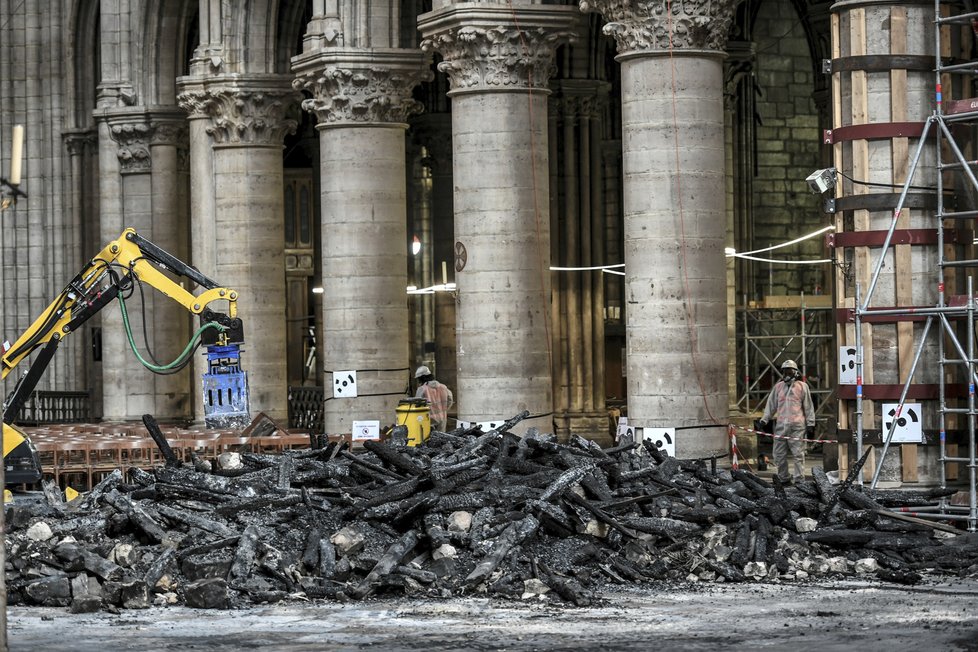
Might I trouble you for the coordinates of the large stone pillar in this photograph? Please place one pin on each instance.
(244, 235)
(434, 132)
(144, 144)
(578, 242)
(362, 99)
(498, 59)
(673, 154)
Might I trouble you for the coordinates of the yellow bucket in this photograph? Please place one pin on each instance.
(414, 413)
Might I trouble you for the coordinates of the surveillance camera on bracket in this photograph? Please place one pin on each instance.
(822, 180)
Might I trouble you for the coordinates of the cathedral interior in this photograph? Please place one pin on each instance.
(575, 209)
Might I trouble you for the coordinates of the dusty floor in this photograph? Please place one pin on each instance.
(827, 616)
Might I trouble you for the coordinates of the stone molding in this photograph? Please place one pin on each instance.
(135, 131)
(487, 48)
(79, 142)
(580, 99)
(253, 110)
(133, 139)
(360, 87)
(643, 25)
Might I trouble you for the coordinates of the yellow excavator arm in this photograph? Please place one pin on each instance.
(109, 275)
(99, 282)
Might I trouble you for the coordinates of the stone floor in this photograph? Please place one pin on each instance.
(840, 616)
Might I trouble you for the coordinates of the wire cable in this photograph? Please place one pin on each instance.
(785, 244)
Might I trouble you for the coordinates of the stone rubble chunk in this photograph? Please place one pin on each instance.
(756, 570)
(444, 551)
(207, 594)
(533, 588)
(805, 525)
(866, 565)
(348, 541)
(459, 521)
(40, 531)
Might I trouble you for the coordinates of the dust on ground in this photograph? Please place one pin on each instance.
(828, 616)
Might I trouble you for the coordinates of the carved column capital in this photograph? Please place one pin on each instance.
(580, 99)
(360, 87)
(132, 134)
(486, 48)
(645, 25)
(136, 130)
(243, 110)
(80, 141)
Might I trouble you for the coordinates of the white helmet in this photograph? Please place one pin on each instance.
(789, 364)
(422, 371)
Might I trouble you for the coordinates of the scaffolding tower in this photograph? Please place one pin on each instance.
(771, 335)
(952, 316)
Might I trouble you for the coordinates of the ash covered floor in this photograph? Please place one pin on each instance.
(842, 615)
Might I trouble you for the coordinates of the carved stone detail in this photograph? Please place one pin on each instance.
(78, 143)
(360, 86)
(645, 24)
(133, 139)
(497, 58)
(576, 101)
(170, 133)
(242, 114)
(361, 94)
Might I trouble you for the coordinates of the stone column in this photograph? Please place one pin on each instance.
(82, 148)
(498, 59)
(362, 99)
(249, 115)
(203, 254)
(578, 242)
(672, 139)
(434, 131)
(148, 200)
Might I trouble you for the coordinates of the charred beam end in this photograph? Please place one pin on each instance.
(514, 534)
(387, 563)
(244, 556)
(566, 480)
(377, 470)
(161, 443)
(391, 457)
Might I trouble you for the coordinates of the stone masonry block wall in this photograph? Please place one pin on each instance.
(787, 152)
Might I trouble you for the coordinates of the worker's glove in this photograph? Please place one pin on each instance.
(810, 431)
(760, 425)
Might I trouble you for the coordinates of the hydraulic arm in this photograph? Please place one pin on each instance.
(112, 274)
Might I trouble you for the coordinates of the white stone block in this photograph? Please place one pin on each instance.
(40, 531)
(867, 565)
(805, 525)
(459, 522)
(444, 551)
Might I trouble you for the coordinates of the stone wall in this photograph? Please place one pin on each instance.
(787, 152)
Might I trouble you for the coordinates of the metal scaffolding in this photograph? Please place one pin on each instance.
(769, 336)
(952, 314)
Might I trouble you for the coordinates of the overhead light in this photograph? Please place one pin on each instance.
(317, 290)
(822, 180)
(416, 246)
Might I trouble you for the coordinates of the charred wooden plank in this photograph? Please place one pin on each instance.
(137, 516)
(566, 480)
(375, 469)
(158, 567)
(244, 556)
(393, 458)
(388, 562)
(258, 503)
(601, 515)
(196, 521)
(160, 439)
(514, 534)
(840, 538)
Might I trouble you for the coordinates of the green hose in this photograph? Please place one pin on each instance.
(186, 353)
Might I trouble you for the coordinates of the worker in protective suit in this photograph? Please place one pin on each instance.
(790, 406)
(439, 397)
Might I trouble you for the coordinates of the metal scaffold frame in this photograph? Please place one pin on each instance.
(770, 336)
(941, 315)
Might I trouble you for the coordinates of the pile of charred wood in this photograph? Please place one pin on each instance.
(466, 513)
